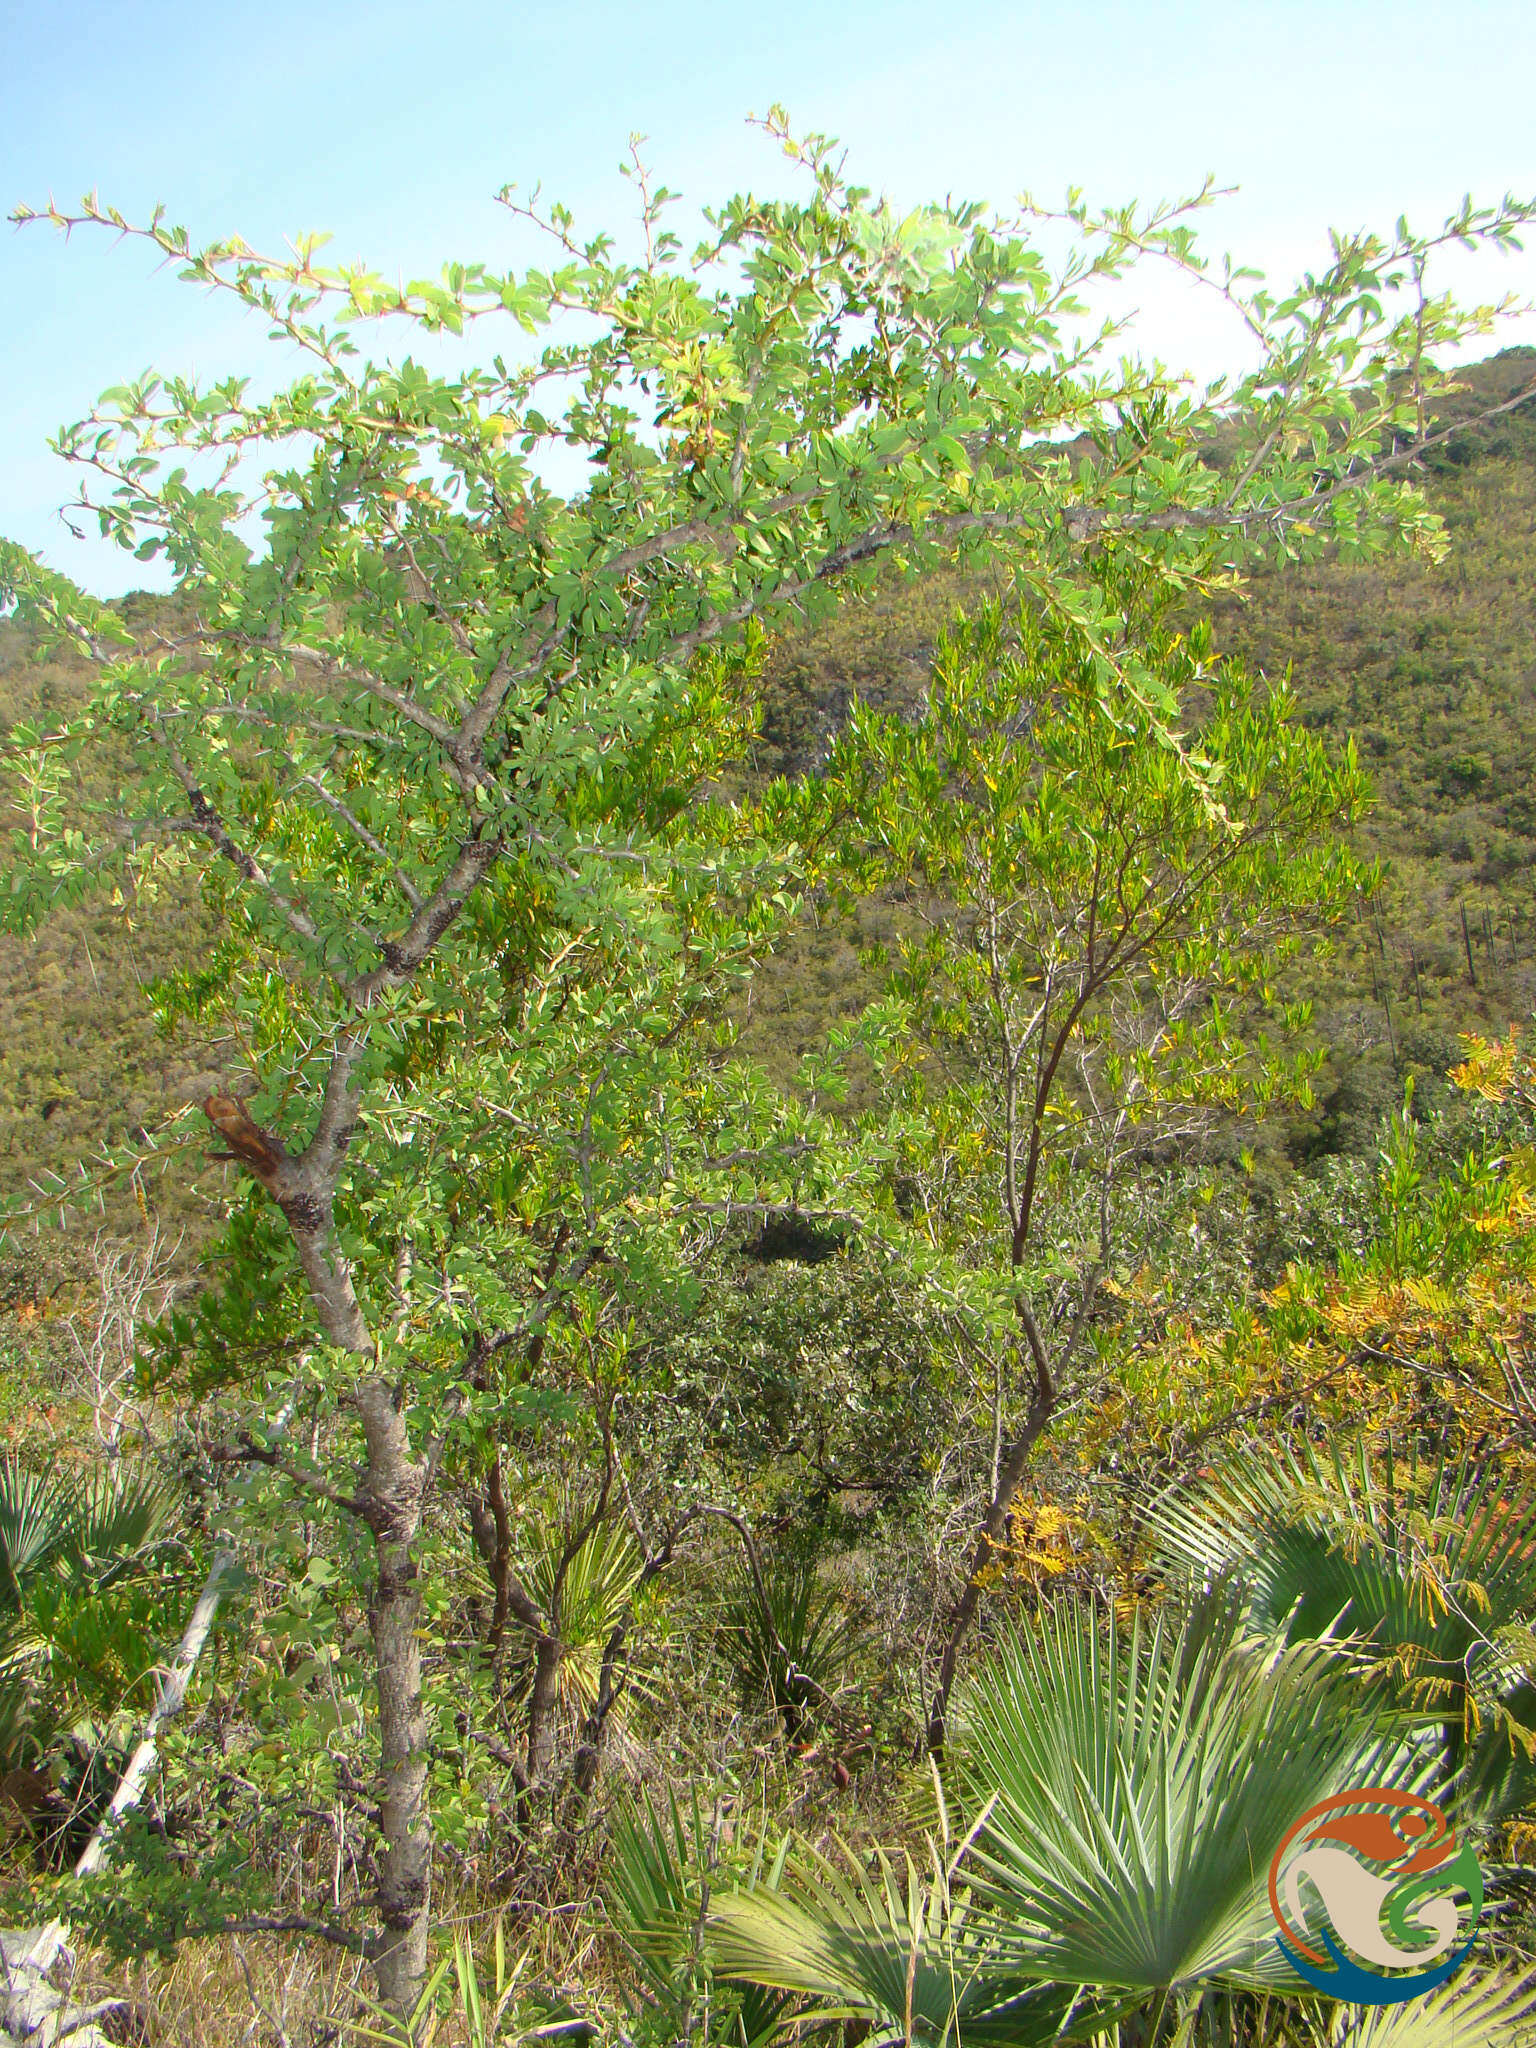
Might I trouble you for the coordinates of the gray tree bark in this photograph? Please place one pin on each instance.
(168, 1704)
(389, 1500)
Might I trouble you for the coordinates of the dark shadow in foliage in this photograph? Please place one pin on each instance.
(793, 1238)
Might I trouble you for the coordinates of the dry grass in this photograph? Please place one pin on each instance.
(235, 1990)
(288, 1991)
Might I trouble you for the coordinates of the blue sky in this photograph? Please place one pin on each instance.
(393, 125)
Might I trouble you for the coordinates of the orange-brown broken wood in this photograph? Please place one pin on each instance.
(245, 1139)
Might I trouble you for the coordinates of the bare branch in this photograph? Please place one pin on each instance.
(375, 846)
(206, 821)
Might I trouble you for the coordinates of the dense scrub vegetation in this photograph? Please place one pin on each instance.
(809, 1318)
(1431, 667)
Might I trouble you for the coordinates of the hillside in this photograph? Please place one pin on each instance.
(1432, 669)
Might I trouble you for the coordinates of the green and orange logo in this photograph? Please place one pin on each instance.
(1376, 1899)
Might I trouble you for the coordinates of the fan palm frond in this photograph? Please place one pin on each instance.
(1130, 1788)
(1405, 1548)
(1140, 1782)
(665, 1863)
(656, 1861)
(113, 1519)
(790, 1640)
(595, 1591)
(90, 1530)
(63, 1542)
(1479, 2006)
(1430, 1568)
(897, 1947)
(34, 1516)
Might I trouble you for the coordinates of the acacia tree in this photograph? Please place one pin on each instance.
(430, 733)
(1090, 908)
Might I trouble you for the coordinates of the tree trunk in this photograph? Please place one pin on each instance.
(391, 1499)
(500, 1559)
(168, 1704)
(544, 1708)
(1010, 1472)
(589, 1749)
